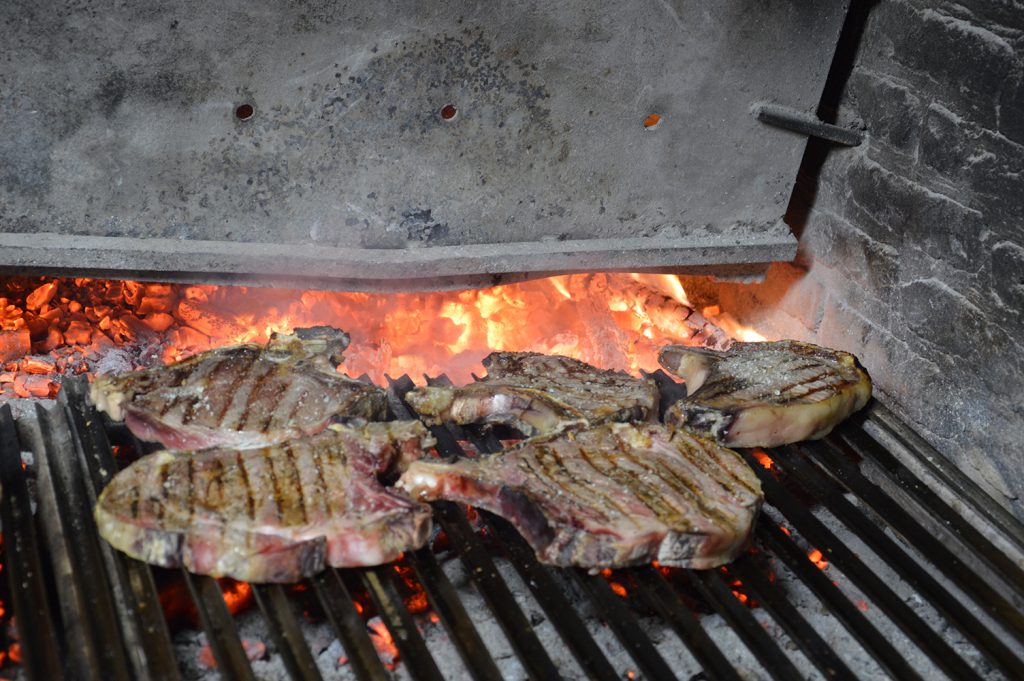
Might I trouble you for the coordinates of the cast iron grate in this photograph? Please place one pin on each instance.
(86, 611)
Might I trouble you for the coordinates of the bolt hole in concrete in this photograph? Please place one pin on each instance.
(652, 121)
(244, 112)
(449, 112)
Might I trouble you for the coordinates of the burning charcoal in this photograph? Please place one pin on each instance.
(97, 312)
(41, 296)
(159, 321)
(133, 292)
(7, 377)
(78, 333)
(19, 386)
(54, 339)
(40, 386)
(14, 344)
(38, 365)
(37, 327)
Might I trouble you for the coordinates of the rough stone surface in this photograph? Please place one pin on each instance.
(916, 238)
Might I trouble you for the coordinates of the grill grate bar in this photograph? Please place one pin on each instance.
(29, 598)
(941, 599)
(474, 556)
(947, 472)
(484, 573)
(348, 625)
(381, 585)
(782, 546)
(657, 595)
(789, 618)
(219, 627)
(449, 608)
(867, 447)
(285, 632)
(542, 582)
(710, 585)
(140, 613)
(614, 613)
(866, 580)
(83, 582)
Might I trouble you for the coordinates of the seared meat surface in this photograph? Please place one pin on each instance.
(540, 394)
(611, 496)
(241, 396)
(274, 514)
(765, 394)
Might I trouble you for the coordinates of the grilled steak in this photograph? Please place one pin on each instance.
(765, 394)
(611, 496)
(241, 396)
(275, 514)
(540, 394)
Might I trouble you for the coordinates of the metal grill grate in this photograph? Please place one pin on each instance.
(78, 601)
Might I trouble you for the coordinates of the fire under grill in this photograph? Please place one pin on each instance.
(859, 569)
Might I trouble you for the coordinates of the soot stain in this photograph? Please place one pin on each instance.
(420, 225)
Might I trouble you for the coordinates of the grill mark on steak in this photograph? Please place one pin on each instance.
(191, 498)
(326, 493)
(673, 482)
(293, 400)
(607, 499)
(241, 389)
(244, 475)
(254, 395)
(276, 489)
(297, 482)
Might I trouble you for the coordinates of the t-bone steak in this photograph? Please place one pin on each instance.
(765, 394)
(540, 394)
(615, 495)
(274, 514)
(243, 395)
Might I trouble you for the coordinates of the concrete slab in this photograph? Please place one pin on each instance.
(363, 141)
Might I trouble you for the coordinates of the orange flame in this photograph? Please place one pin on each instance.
(616, 321)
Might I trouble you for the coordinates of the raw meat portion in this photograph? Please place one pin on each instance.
(274, 514)
(765, 394)
(243, 395)
(540, 394)
(615, 495)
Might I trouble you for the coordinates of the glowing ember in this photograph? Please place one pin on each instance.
(817, 558)
(618, 589)
(619, 321)
(254, 650)
(416, 599)
(763, 458)
(387, 651)
(237, 595)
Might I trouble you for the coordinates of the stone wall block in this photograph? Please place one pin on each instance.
(890, 112)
